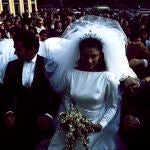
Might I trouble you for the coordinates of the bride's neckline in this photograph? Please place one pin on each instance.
(80, 69)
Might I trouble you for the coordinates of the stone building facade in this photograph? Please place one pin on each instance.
(18, 6)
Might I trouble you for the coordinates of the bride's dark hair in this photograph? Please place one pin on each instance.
(93, 43)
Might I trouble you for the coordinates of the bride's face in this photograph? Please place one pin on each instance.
(89, 58)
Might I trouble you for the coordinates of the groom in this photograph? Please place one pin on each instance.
(29, 102)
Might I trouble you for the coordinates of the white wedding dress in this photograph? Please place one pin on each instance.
(95, 94)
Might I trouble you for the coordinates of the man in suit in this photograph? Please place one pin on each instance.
(135, 120)
(29, 102)
(138, 56)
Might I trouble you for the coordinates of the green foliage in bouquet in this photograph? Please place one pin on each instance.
(76, 127)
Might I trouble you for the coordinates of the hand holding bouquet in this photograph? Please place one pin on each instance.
(76, 127)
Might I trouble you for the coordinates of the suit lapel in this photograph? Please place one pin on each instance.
(39, 66)
(19, 69)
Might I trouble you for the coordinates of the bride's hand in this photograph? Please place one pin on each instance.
(97, 127)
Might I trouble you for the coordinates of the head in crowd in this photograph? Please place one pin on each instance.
(26, 45)
(44, 34)
(2, 34)
(135, 37)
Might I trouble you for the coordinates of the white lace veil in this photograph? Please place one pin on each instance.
(65, 50)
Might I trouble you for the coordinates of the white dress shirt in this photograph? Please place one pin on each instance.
(28, 72)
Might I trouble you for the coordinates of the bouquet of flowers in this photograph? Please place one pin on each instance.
(76, 127)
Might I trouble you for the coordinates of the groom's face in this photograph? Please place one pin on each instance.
(22, 52)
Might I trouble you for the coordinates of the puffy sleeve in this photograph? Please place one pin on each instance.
(111, 98)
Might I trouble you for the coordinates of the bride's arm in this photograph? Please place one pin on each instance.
(66, 96)
(111, 98)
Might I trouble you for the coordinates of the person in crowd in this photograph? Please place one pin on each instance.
(28, 100)
(144, 36)
(135, 120)
(58, 18)
(2, 25)
(44, 34)
(39, 25)
(17, 25)
(25, 19)
(6, 55)
(88, 77)
(68, 20)
(138, 56)
(59, 28)
(2, 34)
(8, 26)
(128, 31)
(49, 21)
(25, 27)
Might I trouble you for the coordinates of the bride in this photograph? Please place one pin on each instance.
(90, 60)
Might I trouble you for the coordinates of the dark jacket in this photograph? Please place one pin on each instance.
(137, 105)
(29, 102)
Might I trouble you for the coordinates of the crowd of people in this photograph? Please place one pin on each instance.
(98, 61)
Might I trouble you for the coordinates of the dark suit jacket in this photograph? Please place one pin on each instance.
(29, 103)
(137, 105)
